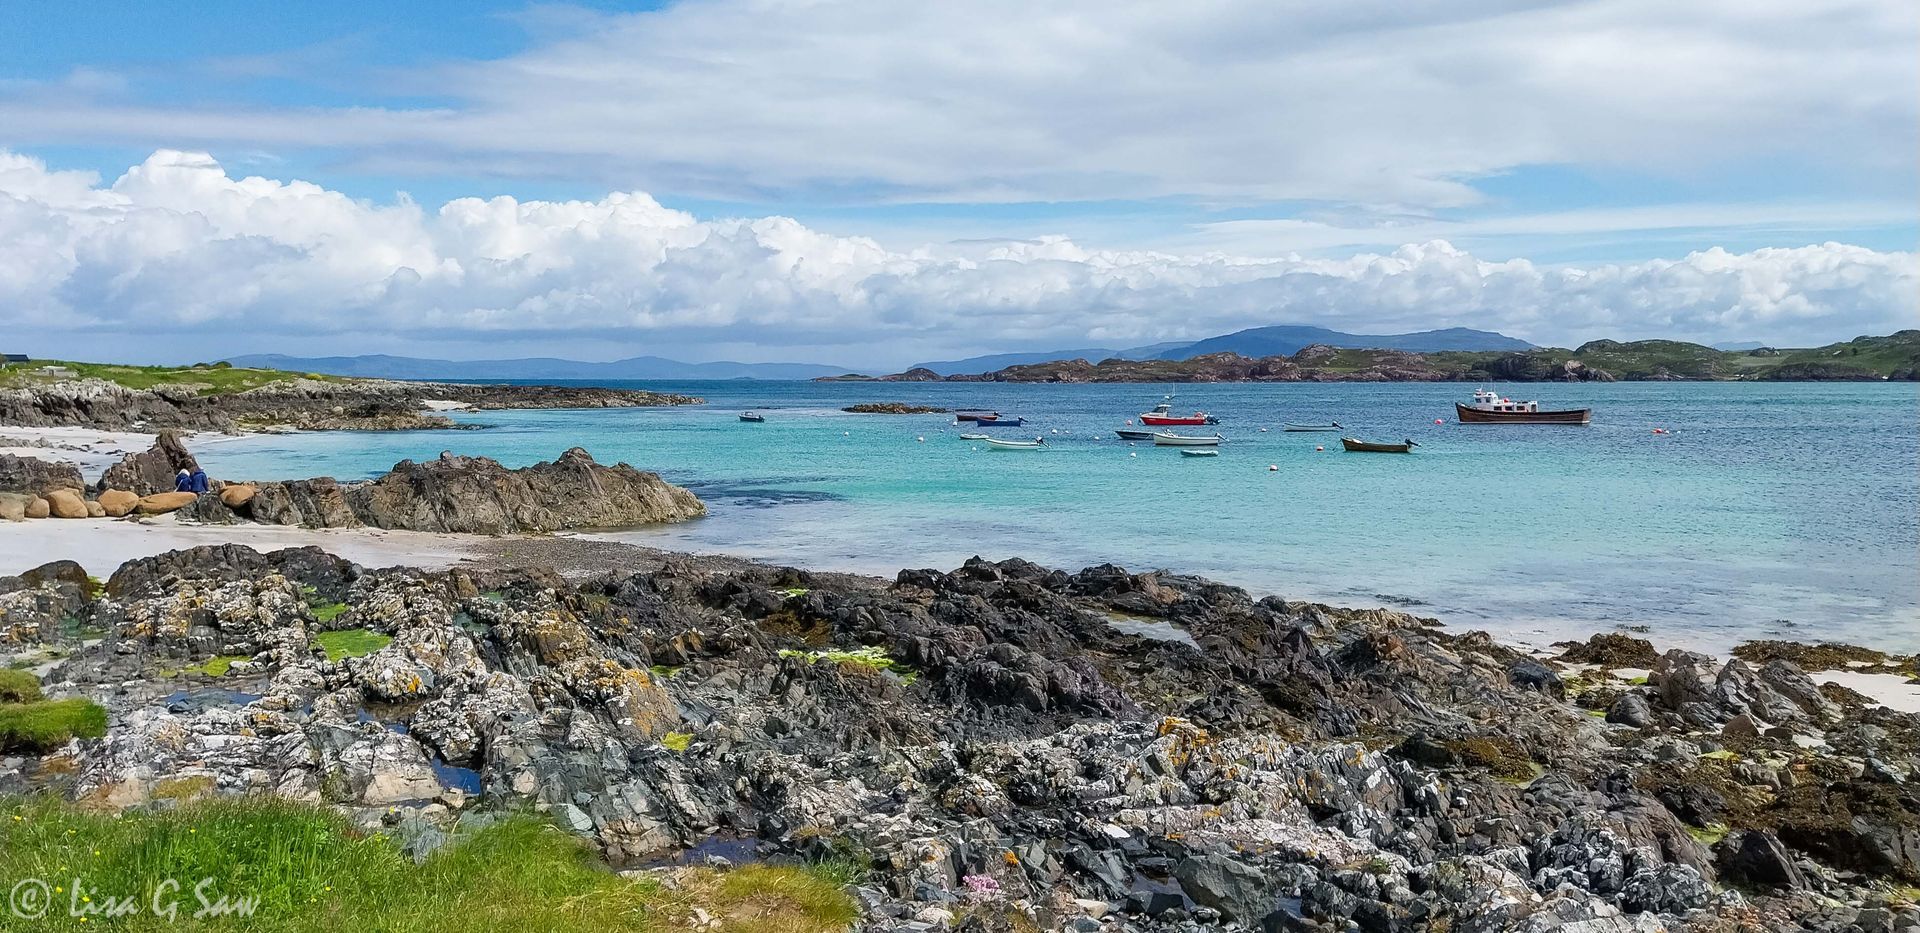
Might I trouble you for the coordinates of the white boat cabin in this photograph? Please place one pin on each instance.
(1490, 401)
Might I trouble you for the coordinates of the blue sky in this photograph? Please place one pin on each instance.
(1563, 135)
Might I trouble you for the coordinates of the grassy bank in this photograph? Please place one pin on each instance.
(307, 869)
(211, 379)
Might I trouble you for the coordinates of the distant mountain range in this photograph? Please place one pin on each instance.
(639, 367)
(1255, 342)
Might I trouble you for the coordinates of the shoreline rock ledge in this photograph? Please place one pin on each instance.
(474, 495)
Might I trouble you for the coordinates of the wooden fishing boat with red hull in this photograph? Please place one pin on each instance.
(1489, 408)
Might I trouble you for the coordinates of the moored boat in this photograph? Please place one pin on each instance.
(976, 437)
(971, 414)
(1170, 439)
(1329, 426)
(994, 443)
(1355, 445)
(1491, 408)
(1162, 416)
(1200, 452)
(999, 422)
(1132, 435)
(752, 416)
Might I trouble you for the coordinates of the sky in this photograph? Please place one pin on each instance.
(871, 184)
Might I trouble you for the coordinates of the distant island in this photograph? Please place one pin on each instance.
(1892, 357)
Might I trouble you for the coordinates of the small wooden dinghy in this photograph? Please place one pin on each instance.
(1170, 439)
(1329, 426)
(753, 416)
(976, 437)
(1355, 445)
(994, 443)
(975, 414)
(1200, 452)
(1131, 435)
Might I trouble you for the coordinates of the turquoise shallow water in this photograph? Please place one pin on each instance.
(1789, 510)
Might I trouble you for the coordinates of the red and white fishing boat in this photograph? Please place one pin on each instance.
(1492, 408)
(1162, 416)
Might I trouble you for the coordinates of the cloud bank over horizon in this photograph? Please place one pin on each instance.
(194, 263)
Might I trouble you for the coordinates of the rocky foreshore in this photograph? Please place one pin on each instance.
(294, 404)
(1003, 747)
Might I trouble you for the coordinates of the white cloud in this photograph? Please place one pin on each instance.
(177, 246)
(1373, 102)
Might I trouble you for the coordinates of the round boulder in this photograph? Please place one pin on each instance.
(13, 507)
(118, 502)
(236, 496)
(38, 508)
(161, 503)
(65, 503)
(95, 509)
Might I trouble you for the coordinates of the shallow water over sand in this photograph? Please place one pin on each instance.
(1769, 510)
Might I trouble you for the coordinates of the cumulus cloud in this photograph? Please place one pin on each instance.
(177, 245)
(1373, 102)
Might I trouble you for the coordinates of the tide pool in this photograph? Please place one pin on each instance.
(1767, 510)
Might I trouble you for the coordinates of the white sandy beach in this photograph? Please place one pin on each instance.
(102, 545)
(89, 449)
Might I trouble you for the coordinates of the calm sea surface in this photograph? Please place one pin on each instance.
(1767, 510)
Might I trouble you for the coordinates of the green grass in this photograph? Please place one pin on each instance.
(210, 380)
(351, 643)
(327, 612)
(307, 869)
(18, 687)
(220, 665)
(48, 724)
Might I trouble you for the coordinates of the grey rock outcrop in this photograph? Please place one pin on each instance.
(469, 494)
(151, 470)
(31, 476)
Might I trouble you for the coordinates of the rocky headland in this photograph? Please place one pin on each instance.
(1002, 747)
(1892, 357)
(289, 404)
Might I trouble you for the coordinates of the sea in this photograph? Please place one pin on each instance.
(1698, 514)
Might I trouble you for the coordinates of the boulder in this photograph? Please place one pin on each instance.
(38, 508)
(35, 477)
(152, 470)
(95, 509)
(117, 502)
(237, 495)
(161, 503)
(1237, 890)
(13, 507)
(1757, 859)
(65, 503)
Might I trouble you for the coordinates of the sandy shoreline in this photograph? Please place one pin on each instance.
(87, 448)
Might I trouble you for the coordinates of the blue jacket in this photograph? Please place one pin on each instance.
(182, 482)
(198, 481)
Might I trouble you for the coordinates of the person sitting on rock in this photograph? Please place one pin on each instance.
(182, 482)
(198, 481)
